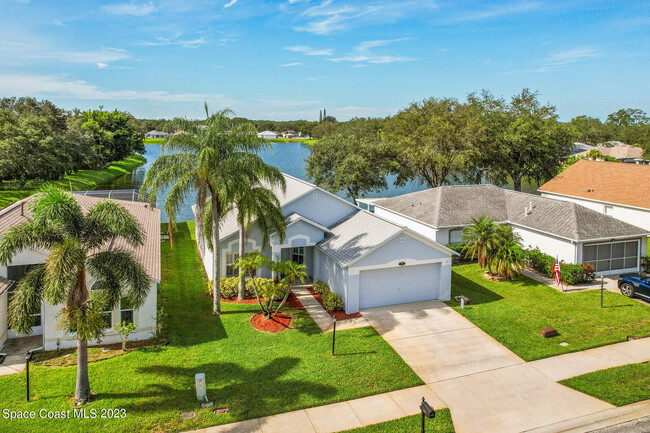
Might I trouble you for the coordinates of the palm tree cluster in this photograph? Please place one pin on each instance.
(80, 250)
(496, 246)
(273, 290)
(218, 160)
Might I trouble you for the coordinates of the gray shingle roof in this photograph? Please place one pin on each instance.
(356, 235)
(455, 206)
(5, 284)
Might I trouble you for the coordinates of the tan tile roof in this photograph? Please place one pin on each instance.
(612, 182)
(147, 254)
(624, 151)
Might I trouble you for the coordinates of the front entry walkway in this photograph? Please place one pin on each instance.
(15, 349)
(486, 387)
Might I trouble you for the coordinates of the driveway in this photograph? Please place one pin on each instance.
(486, 387)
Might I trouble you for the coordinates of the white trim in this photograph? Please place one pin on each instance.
(594, 200)
(615, 271)
(407, 217)
(395, 264)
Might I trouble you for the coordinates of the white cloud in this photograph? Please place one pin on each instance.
(58, 23)
(291, 64)
(571, 56)
(175, 40)
(133, 9)
(362, 53)
(494, 11)
(101, 65)
(54, 86)
(309, 51)
(230, 3)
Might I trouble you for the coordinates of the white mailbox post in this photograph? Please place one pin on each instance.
(201, 394)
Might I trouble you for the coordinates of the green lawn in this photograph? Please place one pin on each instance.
(618, 386)
(154, 140)
(411, 424)
(293, 140)
(82, 180)
(251, 373)
(514, 312)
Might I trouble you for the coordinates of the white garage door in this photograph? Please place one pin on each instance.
(398, 285)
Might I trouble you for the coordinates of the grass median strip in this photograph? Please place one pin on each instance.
(440, 424)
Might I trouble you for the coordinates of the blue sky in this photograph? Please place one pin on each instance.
(287, 59)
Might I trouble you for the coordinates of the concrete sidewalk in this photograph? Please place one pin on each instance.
(338, 416)
(321, 316)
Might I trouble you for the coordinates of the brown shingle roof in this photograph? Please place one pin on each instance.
(624, 151)
(147, 254)
(612, 182)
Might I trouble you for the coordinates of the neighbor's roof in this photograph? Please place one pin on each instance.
(623, 151)
(295, 188)
(5, 284)
(356, 235)
(455, 206)
(147, 254)
(611, 182)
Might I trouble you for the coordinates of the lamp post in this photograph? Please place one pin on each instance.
(333, 336)
(427, 412)
(602, 289)
(28, 357)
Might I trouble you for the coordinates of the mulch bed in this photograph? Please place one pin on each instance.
(292, 302)
(65, 357)
(278, 323)
(339, 314)
(493, 277)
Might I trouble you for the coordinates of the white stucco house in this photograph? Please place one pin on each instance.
(156, 134)
(566, 230)
(148, 254)
(618, 190)
(268, 134)
(368, 260)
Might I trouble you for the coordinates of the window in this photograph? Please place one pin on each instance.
(612, 256)
(230, 259)
(107, 313)
(607, 210)
(298, 255)
(126, 311)
(455, 236)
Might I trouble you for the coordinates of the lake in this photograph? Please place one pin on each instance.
(288, 157)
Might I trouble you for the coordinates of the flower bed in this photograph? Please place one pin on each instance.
(339, 314)
(278, 323)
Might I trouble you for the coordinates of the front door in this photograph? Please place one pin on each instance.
(298, 255)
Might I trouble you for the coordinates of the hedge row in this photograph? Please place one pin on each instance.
(331, 301)
(571, 274)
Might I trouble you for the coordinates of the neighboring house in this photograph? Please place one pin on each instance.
(290, 134)
(622, 152)
(566, 230)
(368, 260)
(46, 320)
(580, 148)
(268, 134)
(619, 190)
(156, 134)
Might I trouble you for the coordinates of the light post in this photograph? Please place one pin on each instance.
(602, 289)
(427, 412)
(28, 357)
(333, 336)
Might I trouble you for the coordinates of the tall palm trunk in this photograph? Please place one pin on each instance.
(242, 250)
(82, 391)
(216, 257)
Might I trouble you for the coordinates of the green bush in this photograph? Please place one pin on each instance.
(539, 261)
(320, 287)
(230, 287)
(571, 274)
(332, 301)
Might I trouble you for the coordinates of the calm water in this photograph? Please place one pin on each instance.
(288, 157)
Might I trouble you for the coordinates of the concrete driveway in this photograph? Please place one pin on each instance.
(487, 387)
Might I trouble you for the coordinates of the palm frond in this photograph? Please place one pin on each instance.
(26, 300)
(55, 209)
(108, 220)
(62, 268)
(25, 235)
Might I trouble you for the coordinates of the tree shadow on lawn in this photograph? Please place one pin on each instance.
(474, 290)
(246, 393)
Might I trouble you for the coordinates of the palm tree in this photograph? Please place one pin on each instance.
(217, 159)
(480, 239)
(508, 258)
(292, 272)
(260, 204)
(79, 244)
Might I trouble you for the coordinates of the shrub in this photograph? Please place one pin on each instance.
(645, 264)
(332, 301)
(230, 288)
(572, 274)
(320, 287)
(539, 261)
(590, 272)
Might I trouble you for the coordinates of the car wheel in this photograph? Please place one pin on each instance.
(627, 289)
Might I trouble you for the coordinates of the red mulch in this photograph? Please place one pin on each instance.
(292, 302)
(243, 301)
(339, 314)
(278, 323)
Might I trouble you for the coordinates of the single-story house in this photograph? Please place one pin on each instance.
(580, 148)
(156, 134)
(622, 152)
(290, 134)
(566, 230)
(368, 260)
(148, 254)
(268, 134)
(619, 190)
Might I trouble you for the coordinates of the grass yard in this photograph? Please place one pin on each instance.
(619, 385)
(251, 373)
(514, 312)
(154, 140)
(293, 140)
(411, 424)
(82, 180)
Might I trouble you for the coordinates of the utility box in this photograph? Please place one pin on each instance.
(201, 394)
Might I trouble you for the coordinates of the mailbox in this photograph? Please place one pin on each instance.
(201, 394)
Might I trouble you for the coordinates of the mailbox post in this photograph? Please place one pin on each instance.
(427, 412)
(333, 335)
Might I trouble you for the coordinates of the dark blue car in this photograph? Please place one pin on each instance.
(632, 285)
